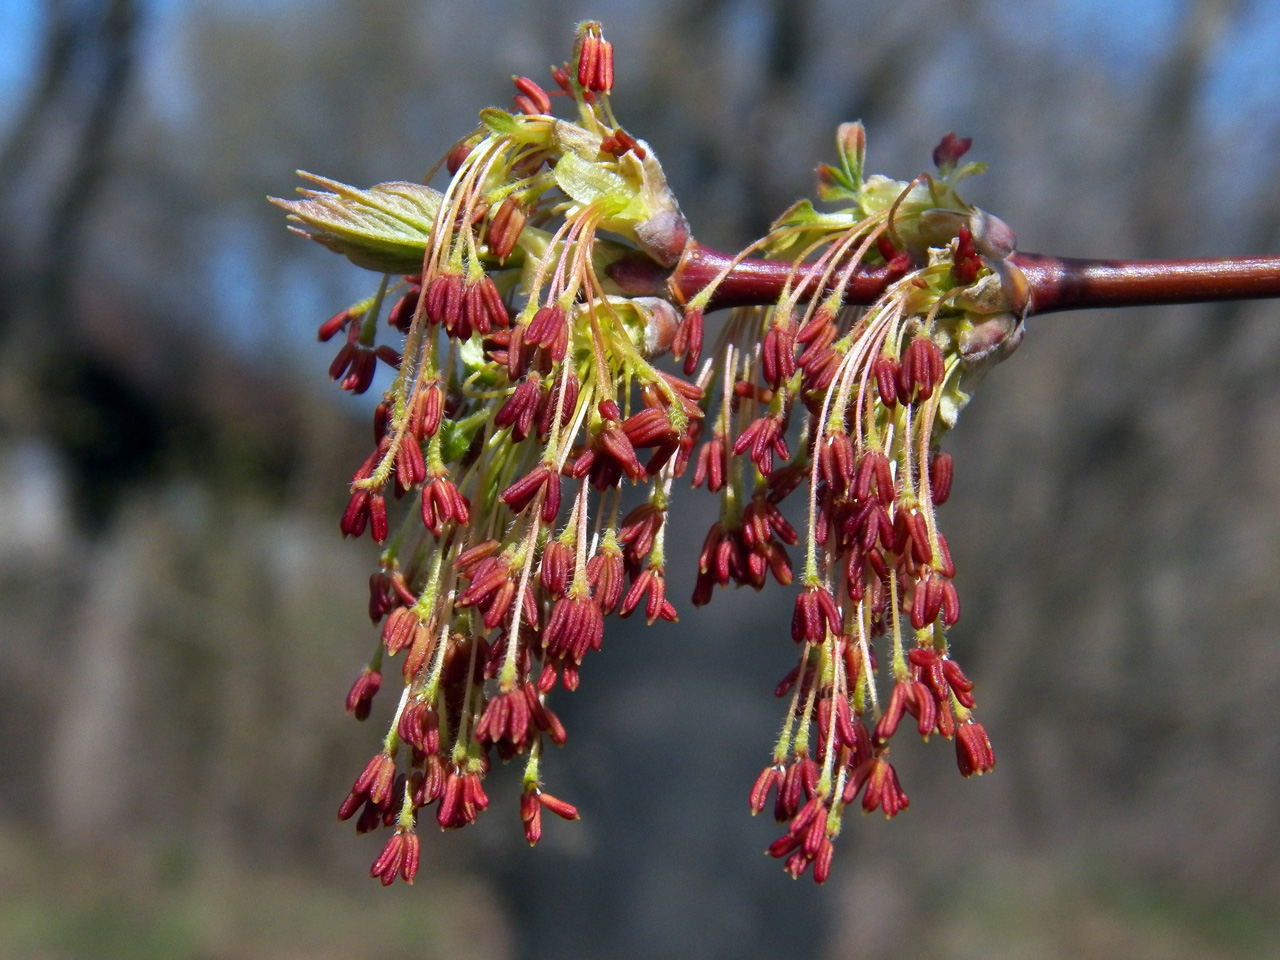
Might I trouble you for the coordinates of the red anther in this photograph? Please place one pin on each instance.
(917, 368)
(931, 675)
(689, 394)
(357, 514)
(520, 408)
(426, 410)
(376, 779)
(377, 518)
(973, 750)
(812, 812)
(534, 93)
(652, 585)
(837, 461)
(921, 551)
(956, 678)
(492, 311)
(421, 645)
(640, 529)
(721, 556)
(786, 683)
(360, 697)
(561, 808)
(603, 78)
(506, 721)
(561, 76)
(783, 847)
(588, 53)
(388, 355)
(815, 613)
(949, 151)
(609, 410)
(919, 604)
(569, 676)
(764, 511)
(946, 567)
(521, 493)
(763, 437)
(556, 568)
(769, 778)
(607, 572)
(488, 577)
(922, 705)
(614, 442)
(884, 790)
(441, 502)
(703, 587)
(940, 469)
(576, 625)
(846, 730)
(711, 464)
(923, 657)
(411, 468)
(453, 316)
(898, 703)
(531, 816)
(779, 565)
(437, 294)
(950, 603)
(381, 599)
(360, 374)
(516, 355)
(450, 801)
(330, 328)
(863, 478)
(967, 262)
(401, 315)
(505, 227)
(817, 344)
(381, 420)
(884, 478)
(398, 857)
(459, 153)
(796, 782)
(626, 142)
(473, 792)
(649, 428)
(933, 599)
(877, 526)
(822, 862)
(887, 371)
(777, 355)
(546, 326)
(551, 401)
(688, 339)
(468, 562)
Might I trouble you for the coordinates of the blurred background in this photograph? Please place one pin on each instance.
(180, 620)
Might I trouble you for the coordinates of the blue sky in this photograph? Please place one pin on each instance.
(1123, 34)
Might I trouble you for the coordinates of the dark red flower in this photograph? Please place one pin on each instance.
(398, 857)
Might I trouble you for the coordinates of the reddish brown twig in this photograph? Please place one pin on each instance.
(1056, 283)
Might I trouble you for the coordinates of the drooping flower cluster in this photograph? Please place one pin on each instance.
(873, 389)
(526, 406)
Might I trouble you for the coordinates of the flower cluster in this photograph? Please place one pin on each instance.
(873, 388)
(525, 452)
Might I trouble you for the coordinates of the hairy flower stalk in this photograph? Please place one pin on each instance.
(527, 449)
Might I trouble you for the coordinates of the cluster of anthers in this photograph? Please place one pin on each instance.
(526, 410)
